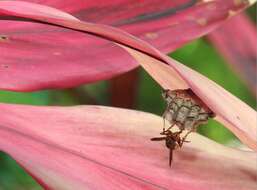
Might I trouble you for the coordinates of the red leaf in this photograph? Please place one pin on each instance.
(92, 147)
(54, 57)
(236, 40)
(171, 75)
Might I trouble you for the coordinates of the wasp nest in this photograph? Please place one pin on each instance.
(185, 109)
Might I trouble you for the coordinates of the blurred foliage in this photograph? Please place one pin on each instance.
(35, 98)
(199, 55)
(12, 176)
(252, 12)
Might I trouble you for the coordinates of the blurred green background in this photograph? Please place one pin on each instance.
(199, 55)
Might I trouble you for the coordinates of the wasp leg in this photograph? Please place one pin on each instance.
(182, 142)
(180, 131)
(184, 138)
(168, 128)
(164, 118)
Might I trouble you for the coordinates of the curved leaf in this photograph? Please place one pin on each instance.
(241, 122)
(48, 61)
(93, 147)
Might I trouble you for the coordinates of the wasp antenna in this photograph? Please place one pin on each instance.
(158, 138)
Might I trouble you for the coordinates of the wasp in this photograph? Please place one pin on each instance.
(172, 141)
(186, 111)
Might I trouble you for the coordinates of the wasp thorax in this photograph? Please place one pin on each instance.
(171, 143)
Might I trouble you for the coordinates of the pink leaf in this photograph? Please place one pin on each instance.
(236, 40)
(213, 95)
(232, 112)
(93, 147)
(54, 57)
(68, 144)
